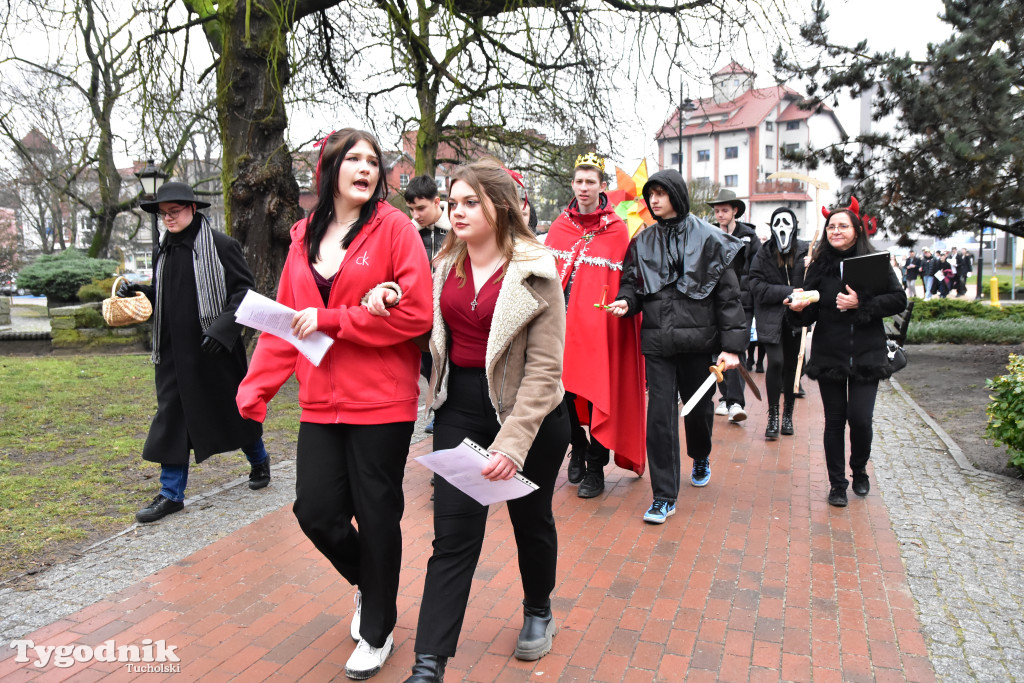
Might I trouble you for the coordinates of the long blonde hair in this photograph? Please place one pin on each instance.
(488, 178)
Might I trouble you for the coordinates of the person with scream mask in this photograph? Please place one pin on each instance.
(679, 274)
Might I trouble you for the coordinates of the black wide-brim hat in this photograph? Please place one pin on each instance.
(729, 197)
(179, 193)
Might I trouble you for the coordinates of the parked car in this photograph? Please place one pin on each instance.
(11, 288)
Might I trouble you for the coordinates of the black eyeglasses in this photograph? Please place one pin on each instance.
(173, 213)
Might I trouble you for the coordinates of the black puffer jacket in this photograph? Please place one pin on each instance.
(770, 283)
(847, 344)
(745, 261)
(678, 274)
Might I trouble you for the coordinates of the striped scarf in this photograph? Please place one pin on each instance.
(211, 292)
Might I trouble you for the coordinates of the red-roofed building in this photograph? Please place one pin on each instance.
(735, 138)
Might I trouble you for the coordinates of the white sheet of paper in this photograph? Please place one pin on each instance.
(461, 467)
(260, 313)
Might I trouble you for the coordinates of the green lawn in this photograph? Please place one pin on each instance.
(71, 435)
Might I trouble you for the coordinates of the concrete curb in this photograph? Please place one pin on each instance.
(951, 446)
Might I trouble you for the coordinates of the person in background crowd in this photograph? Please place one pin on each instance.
(430, 215)
(964, 266)
(200, 277)
(602, 371)
(943, 275)
(848, 351)
(777, 273)
(497, 345)
(912, 267)
(359, 405)
(728, 210)
(679, 274)
(928, 267)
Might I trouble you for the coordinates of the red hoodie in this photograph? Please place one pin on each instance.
(370, 375)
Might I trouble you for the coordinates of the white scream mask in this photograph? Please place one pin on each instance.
(784, 226)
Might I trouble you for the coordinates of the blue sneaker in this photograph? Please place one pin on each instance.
(659, 512)
(429, 427)
(701, 474)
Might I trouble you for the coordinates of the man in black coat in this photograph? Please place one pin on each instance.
(912, 267)
(727, 210)
(679, 274)
(964, 266)
(928, 267)
(200, 277)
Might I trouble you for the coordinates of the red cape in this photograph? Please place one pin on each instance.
(602, 364)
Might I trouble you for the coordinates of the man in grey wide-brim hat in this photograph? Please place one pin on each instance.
(199, 278)
(728, 207)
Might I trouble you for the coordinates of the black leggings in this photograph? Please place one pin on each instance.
(781, 371)
(847, 402)
(460, 522)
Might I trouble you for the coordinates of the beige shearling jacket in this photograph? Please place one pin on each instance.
(524, 348)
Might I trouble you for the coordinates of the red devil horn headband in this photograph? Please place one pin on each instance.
(854, 207)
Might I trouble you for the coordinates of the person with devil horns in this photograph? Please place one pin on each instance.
(848, 353)
(778, 272)
(603, 371)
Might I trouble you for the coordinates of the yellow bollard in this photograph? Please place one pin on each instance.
(993, 291)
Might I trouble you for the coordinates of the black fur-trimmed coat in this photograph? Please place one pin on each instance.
(847, 344)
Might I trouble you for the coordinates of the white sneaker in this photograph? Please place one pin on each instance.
(736, 413)
(722, 408)
(357, 617)
(367, 660)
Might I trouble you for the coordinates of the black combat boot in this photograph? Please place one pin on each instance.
(787, 417)
(538, 629)
(428, 669)
(771, 432)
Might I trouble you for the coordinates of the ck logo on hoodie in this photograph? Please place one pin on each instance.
(363, 260)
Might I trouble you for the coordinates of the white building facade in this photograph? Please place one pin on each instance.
(735, 138)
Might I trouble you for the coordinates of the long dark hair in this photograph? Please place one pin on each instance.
(860, 247)
(332, 154)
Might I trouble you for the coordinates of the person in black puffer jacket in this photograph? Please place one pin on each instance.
(679, 274)
(848, 353)
(778, 271)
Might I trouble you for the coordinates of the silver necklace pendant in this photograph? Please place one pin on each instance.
(473, 304)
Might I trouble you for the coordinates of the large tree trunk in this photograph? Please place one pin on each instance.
(261, 196)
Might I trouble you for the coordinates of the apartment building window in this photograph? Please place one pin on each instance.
(732, 180)
(704, 179)
(792, 125)
(769, 125)
(769, 151)
(676, 160)
(703, 155)
(791, 148)
(403, 180)
(732, 152)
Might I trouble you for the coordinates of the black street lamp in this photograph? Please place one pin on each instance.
(686, 110)
(151, 178)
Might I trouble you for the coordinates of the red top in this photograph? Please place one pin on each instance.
(370, 375)
(469, 328)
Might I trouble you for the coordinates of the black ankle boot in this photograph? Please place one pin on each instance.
(538, 629)
(771, 432)
(577, 466)
(428, 669)
(787, 418)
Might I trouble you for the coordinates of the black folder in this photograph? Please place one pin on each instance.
(868, 274)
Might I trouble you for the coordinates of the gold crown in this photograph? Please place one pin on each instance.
(590, 159)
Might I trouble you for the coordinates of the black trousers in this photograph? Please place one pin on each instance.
(732, 387)
(595, 453)
(460, 522)
(781, 370)
(853, 403)
(345, 471)
(669, 377)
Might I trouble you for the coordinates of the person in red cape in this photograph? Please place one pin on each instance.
(603, 371)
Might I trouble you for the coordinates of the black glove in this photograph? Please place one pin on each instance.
(211, 345)
(126, 289)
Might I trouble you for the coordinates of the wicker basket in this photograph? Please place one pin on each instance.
(129, 310)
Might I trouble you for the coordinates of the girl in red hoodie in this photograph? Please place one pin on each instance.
(359, 405)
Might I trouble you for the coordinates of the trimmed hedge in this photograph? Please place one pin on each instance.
(947, 309)
(59, 276)
(1006, 411)
(965, 331)
(96, 291)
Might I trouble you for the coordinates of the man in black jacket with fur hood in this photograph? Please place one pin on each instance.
(728, 210)
(679, 274)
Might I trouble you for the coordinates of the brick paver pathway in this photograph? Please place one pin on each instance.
(755, 578)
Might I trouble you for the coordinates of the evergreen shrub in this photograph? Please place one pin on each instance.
(1006, 411)
(96, 291)
(59, 276)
